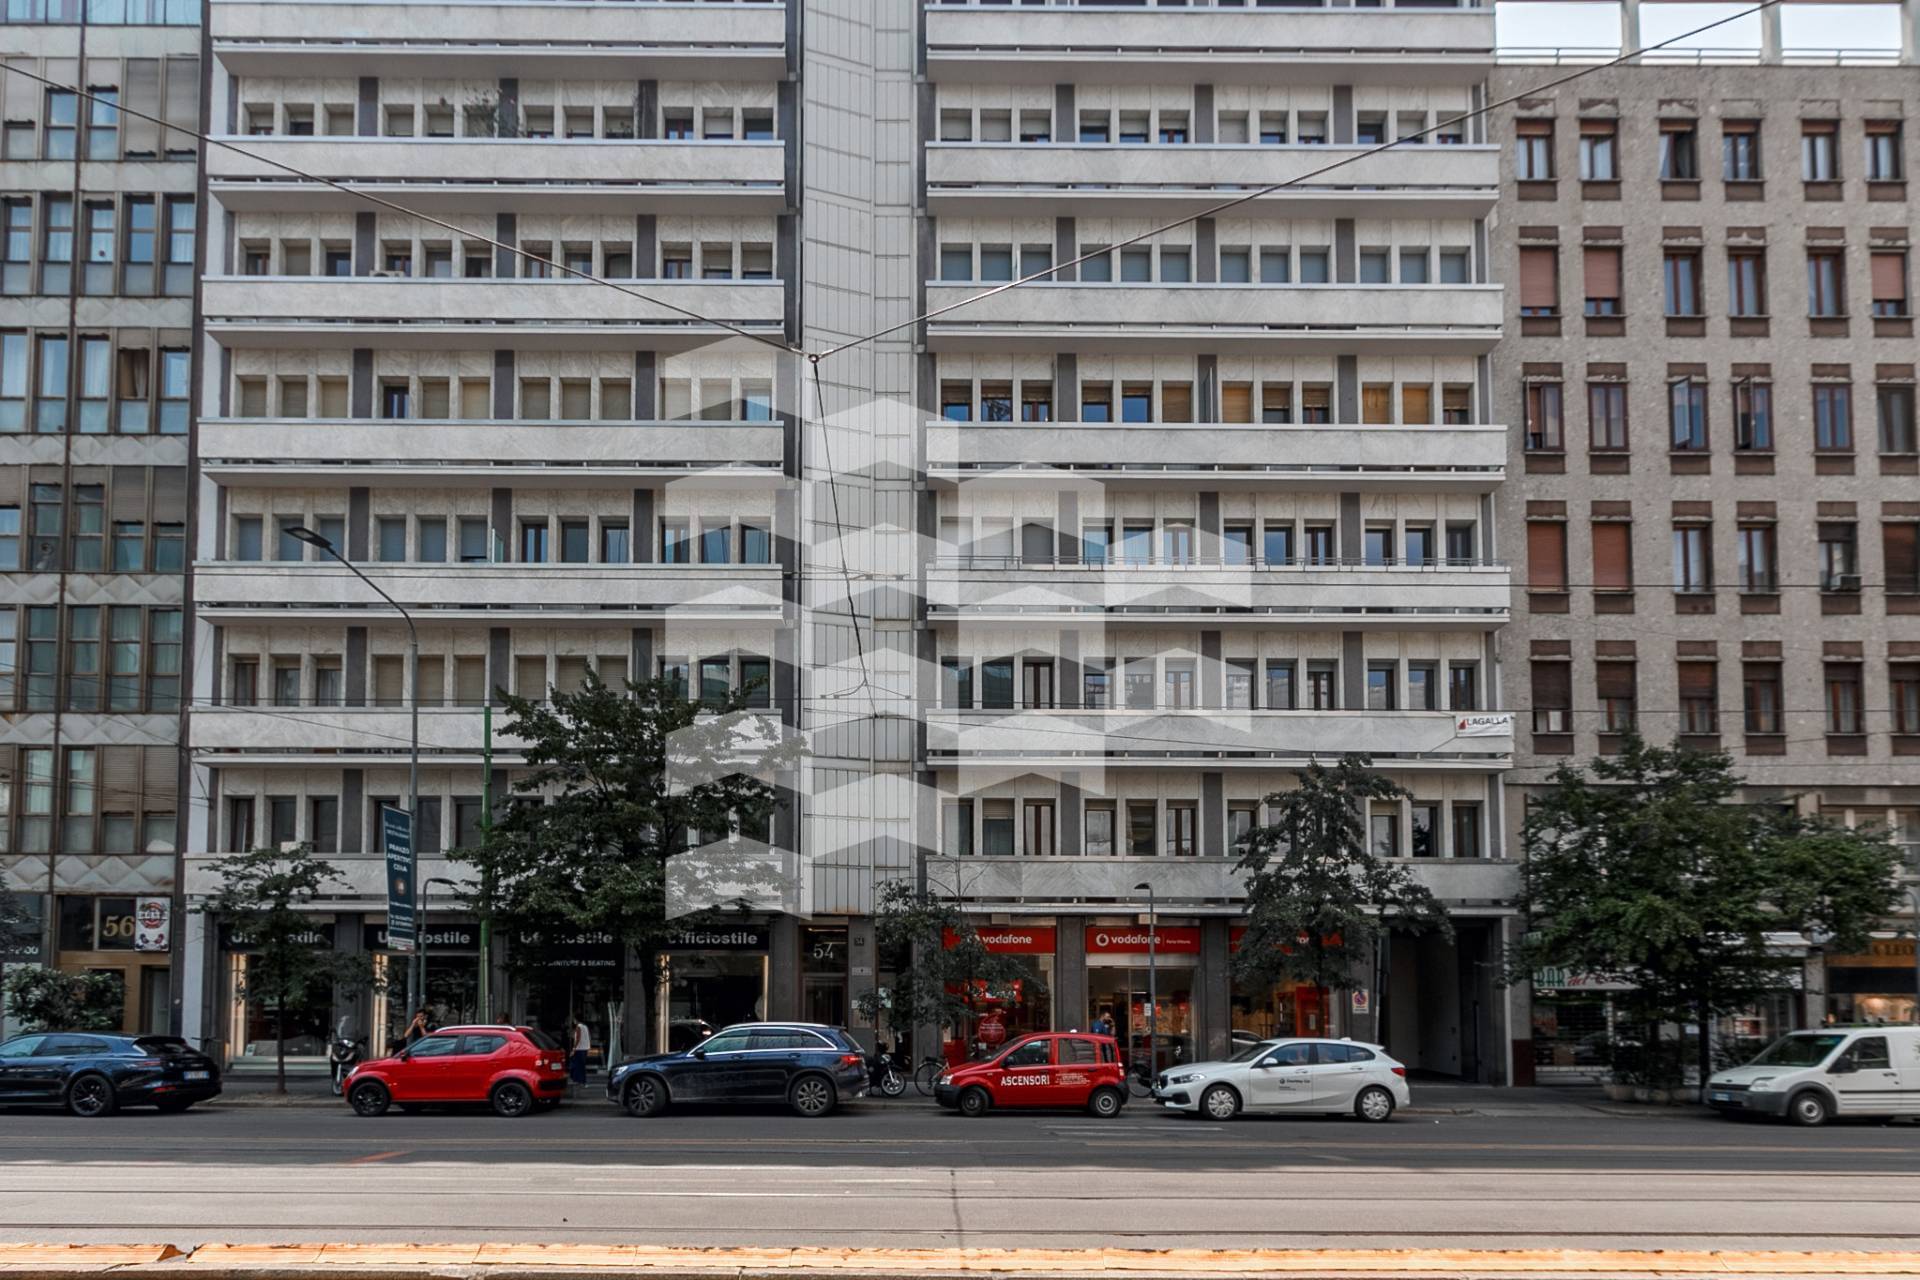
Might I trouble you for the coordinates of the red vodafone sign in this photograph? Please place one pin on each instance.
(1111, 939)
(1011, 939)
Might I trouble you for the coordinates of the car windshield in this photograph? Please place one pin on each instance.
(1797, 1051)
(1249, 1053)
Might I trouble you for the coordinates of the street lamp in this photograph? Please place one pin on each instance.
(1153, 984)
(417, 968)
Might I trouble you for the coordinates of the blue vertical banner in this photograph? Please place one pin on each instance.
(396, 830)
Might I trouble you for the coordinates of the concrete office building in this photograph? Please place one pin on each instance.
(1710, 364)
(96, 313)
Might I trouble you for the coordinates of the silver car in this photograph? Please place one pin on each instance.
(1311, 1076)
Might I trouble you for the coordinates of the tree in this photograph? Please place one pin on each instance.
(17, 927)
(43, 999)
(945, 972)
(265, 900)
(629, 794)
(1648, 873)
(1318, 897)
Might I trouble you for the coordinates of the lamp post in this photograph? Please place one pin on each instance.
(416, 969)
(1153, 984)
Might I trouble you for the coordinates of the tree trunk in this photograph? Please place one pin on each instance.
(280, 1046)
(1704, 1013)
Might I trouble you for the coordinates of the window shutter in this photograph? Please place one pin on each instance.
(170, 494)
(1597, 128)
(1553, 685)
(1538, 284)
(160, 782)
(1889, 277)
(1699, 679)
(1533, 128)
(1176, 402)
(129, 494)
(142, 136)
(1546, 556)
(1614, 679)
(1612, 556)
(1236, 402)
(1902, 545)
(183, 103)
(1602, 272)
(120, 769)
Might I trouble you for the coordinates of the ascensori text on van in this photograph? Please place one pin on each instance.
(1810, 1077)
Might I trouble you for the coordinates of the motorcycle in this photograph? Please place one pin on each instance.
(884, 1075)
(343, 1054)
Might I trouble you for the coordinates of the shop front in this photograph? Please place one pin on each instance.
(1266, 1010)
(127, 939)
(1874, 986)
(253, 1031)
(568, 978)
(710, 978)
(452, 973)
(1005, 1009)
(1124, 984)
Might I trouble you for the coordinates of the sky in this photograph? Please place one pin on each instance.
(1570, 24)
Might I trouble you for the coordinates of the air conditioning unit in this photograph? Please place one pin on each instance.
(1844, 582)
(388, 275)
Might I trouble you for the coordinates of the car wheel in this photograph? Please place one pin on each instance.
(369, 1098)
(1105, 1103)
(1220, 1102)
(811, 1096)
(975, 1102)
(511, 1099)
(1373, 1105)
(90, 1097)
(1808, 1108)
(646, 1096)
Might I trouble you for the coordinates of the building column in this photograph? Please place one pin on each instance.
(1629, 25)
(783, 969)
(1772, 44)
(1216, 990)
(1070, 974)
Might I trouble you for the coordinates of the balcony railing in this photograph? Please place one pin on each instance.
(1238, 736)
(707, 592)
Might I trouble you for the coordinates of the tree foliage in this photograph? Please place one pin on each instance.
(43, 999)
(616, 827)
(945, 972)
(1643, 870)
(265, 900)
(1318, 897)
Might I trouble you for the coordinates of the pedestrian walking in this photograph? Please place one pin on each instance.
(418, 1027)
(577, 1060)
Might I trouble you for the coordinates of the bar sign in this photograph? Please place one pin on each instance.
(396, 830)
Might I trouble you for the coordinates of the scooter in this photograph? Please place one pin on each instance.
(343, 1055)
(884, 1075)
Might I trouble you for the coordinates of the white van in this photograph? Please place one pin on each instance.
(1811, 1076)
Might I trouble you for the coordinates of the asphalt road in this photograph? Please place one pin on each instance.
(904, 1174)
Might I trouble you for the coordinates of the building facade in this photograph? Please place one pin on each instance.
(97, 284)
(1710, 364)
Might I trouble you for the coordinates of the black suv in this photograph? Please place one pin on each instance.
(91, 1073)
(808, 1066)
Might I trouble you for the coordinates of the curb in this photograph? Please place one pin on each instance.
(562, 1262)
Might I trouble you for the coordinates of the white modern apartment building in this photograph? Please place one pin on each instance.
(1057, 585)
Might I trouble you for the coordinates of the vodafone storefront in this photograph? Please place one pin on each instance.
(1117, 988)
(1006, 1011)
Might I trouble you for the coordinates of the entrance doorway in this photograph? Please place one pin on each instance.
(1120, 996)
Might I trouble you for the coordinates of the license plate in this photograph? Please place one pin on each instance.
(1723, 1097)
(199, 1075)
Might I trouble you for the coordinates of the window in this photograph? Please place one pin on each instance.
(1546, 555)
(1893, 405)
(1820, 151)
(1687, 415)
(1423, 681)
(1903, 680)
(1323, 686)
(1544, 426)
(1533, 150)
(1699, 697)
(1463, 686)
(1612, 556)
(1826, 283)
(1681, 282)
(1843, 698)
(1383, 831)
(1761, 692)
(1607, 415)
(1598, 156)
(1833, 417)
(1615, 682)
(1884, 163)
(1889, 276)
(1182, 819)
(1747, 282)
(1753, 416)
(1693, 558)
(1679, 153)
(1740, 151)
(1601, 272)
(1839, 556)
(1900, 547)
(1280, 692)
(1383, 686)
(1757, 558)
(1552, 697)
(1539, 281)
(62, 125)
(1465, 842)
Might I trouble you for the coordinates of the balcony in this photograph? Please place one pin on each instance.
(332, 735)
(453, 313)
(595, 593)
(479, 453)
(1438, 597)
(1270, 319)
(1049, 43)
(500, 37)
(1253, 739)
(1374, 458)
(1070, 882)
(1094, 180)
(525, 175)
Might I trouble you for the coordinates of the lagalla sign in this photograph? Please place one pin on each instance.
(1496, 726)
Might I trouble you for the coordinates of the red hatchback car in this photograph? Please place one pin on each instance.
(1055, 1069)
(512, 1069)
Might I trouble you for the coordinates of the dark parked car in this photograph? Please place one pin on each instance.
(808, 1066)
(92, 1073)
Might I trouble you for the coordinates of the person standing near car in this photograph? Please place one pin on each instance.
(577, 1060)
(418, 1027)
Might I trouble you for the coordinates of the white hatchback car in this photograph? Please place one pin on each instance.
(1332, 1077)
